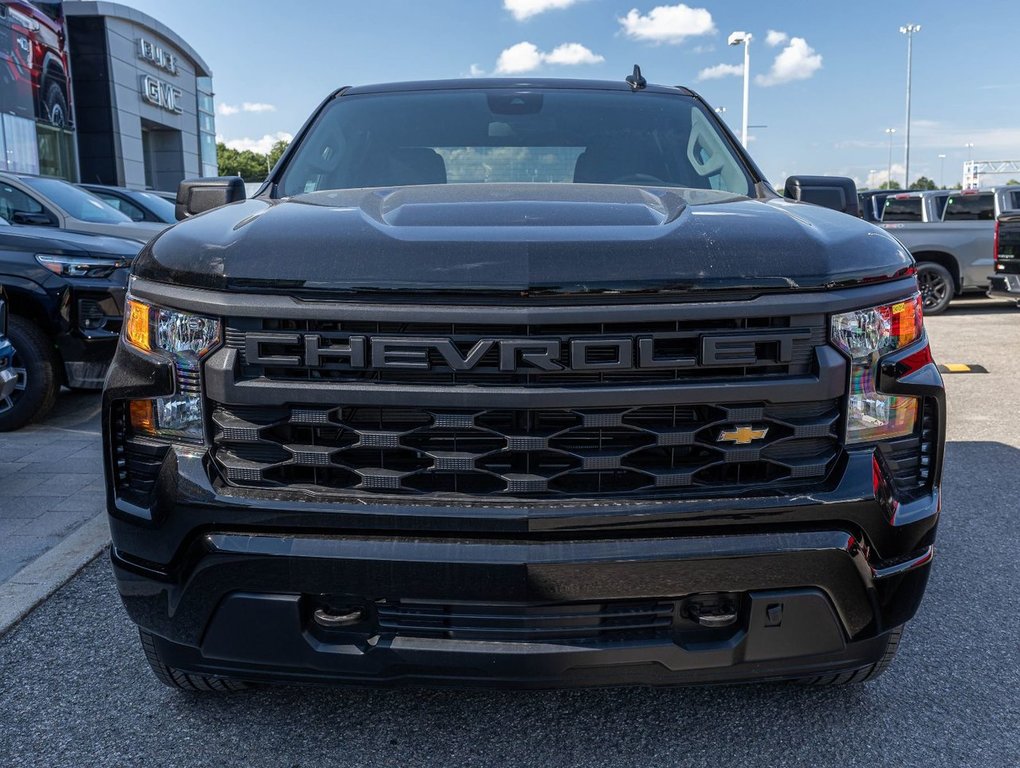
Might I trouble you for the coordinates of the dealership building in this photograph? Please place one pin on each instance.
(143, 99)
(102, 93)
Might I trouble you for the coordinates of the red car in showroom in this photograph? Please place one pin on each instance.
(34, 76)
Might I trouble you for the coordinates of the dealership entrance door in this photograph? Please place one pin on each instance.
(163, 154)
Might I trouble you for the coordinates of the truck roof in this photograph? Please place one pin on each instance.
(508, 82)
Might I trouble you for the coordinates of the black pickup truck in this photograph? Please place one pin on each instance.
(523, 383)
(65, 294)
(1005, 281)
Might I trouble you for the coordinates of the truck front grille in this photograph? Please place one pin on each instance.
(282, 343)
(537, 453)
(613, 620)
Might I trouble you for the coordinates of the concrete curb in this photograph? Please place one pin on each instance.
(51, 570)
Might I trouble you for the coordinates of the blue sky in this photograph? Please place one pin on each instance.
(838, 83)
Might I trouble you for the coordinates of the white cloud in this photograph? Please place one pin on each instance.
(797, 61)
(667, 23)
(525, 9)
(262, 146)
(774, 38)
(475, 71)
(877, 178)
(721, 70)
(523, 57)
(526, 57)
(226, 110)
(571, 54)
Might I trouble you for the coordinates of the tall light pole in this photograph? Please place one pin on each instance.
(890, 132)
(909, 30)
(942, 171)
(743, 38)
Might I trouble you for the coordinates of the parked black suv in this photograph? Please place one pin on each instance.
(521, 383)
(66, 299)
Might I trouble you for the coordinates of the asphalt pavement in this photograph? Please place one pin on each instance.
(75, 690)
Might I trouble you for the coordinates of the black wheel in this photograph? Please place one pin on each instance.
(36, 366)
(55, 103)
(936, 286)
(864, 674)
(184, 681)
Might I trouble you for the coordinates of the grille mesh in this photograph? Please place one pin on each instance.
(621, 619)
(527, 453)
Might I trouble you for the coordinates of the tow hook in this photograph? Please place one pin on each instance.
(332, 620)
(712, 611)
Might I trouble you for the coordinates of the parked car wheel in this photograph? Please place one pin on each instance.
(36, 365)
(56, 105)
(936, 285)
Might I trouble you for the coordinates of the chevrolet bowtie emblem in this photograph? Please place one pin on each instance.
(742, 435)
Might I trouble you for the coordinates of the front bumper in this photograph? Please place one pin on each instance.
(1004, 286)
(229, 586)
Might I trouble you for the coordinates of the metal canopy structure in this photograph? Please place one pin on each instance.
(974, 169)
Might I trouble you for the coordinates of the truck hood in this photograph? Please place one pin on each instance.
(521, 239)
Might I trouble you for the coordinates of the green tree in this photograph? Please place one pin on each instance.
(924, 183)
(1013, 183)
(250, 166)
(889, 185)
(277, 150)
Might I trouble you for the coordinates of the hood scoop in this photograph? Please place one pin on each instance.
(523, 205)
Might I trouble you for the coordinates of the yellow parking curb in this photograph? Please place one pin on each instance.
(962, 368)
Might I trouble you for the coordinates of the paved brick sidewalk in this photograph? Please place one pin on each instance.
(51, 476)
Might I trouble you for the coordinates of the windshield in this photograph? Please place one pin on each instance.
(507, 135)
(159, 206)
(77, 202)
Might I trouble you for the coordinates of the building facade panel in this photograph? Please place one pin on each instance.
(156, 89)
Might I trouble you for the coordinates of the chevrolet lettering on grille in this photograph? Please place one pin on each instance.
(360, 352)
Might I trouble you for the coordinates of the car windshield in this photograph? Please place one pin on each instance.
(504, 135)
(77, 202)
(159, 206)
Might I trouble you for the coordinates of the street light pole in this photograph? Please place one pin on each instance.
(942, 171)
(738, 38)
(909, 30)
(890, 132)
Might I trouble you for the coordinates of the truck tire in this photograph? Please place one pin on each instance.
(36, 364)
(937, 286)
(184, 681)
(864, 674)
(55, 105)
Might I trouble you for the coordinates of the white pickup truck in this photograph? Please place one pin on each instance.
(951, 234)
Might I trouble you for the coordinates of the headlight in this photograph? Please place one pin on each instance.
(866, 335)
(185, 339)
(79, 266)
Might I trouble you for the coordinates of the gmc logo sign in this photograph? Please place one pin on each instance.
(354, 351)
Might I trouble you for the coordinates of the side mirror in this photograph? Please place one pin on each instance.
(32, 219)
(836, 192)
(196, 196)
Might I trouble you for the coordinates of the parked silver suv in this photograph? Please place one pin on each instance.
(38, 201)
